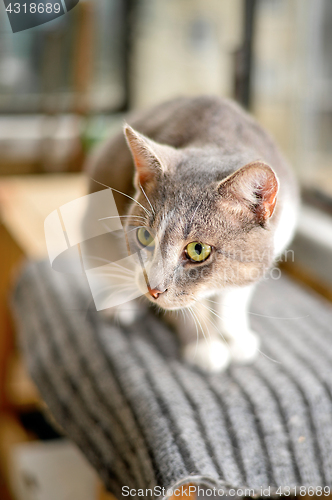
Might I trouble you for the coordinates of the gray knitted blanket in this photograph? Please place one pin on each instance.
(144, 418)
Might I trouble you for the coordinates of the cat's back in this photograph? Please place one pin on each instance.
(202, 123)
(207, 122)
(201, 120)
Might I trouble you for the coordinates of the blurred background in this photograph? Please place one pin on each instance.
(64, 84)
(67, 84)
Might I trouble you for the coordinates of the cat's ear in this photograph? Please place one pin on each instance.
(150, 158)
(256, 186)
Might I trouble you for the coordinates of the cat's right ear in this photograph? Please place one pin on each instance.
(255, 186)
(150, 158)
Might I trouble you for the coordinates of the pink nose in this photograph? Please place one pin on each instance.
(154, 292)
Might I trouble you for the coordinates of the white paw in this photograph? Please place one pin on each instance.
(130, 312)
(245, 348)
(211, 356)
(124, 314)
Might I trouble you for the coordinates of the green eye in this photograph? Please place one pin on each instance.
(145, 238)
(198, 251)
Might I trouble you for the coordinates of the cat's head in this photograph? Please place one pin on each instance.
(200, 231)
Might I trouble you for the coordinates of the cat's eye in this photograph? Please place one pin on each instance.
(198, 252)
(145, 238)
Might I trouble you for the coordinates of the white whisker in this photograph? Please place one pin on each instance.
(133, 229)
(192, 218)
(113, 275)
(262, 315)
(124, 194)
(268, 357)
(123, 269)
(117, 290)
(213, 312)
(195, 323)
(261, 352)
(121, 216)
(202, 330)
(147, 199)
(214, 326)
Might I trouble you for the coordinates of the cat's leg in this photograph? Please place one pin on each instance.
(233, 310)
(201, 342)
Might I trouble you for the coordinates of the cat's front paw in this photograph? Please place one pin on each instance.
(244, 349)
(125, 314)
(211, 356)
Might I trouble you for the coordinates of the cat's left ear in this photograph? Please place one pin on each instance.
(150, 158)
(256, 186)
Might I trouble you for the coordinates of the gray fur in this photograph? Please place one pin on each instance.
(187, 159)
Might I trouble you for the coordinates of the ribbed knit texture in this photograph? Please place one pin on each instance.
(143, 417)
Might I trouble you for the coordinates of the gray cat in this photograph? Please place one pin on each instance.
(214, 191)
